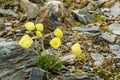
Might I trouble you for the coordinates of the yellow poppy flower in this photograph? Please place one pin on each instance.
(26, 41)
(30, 26)
(39, 27)
(39, 34)
(58, 33)
(55, 42)
(76, 49)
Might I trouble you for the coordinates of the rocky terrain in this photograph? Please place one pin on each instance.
(95, 24)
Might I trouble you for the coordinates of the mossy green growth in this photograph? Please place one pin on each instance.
(99, 18)
(49, 63)
(107, 74)
(76, 23)
(3, 1)
(68, 1)
(92, 9)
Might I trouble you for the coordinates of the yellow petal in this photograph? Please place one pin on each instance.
(30, 26)
(58, 33)
(76, 49)
(39, 27)
(38, 34)
(26, 41)
(55, 42)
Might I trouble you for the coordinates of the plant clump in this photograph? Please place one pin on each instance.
(49, 63)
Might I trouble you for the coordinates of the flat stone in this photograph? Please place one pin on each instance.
(108, 37)
(37, 74)
(81, 76)
(30, 8)
(87, 29)
(91, 34)
(8, 24)
(115, 10)
(69, 59)
(98, 58)
(115, 49)
(102, 1)
(8, 28)
(115, 28)
(8, 12)
(15, 62)
(36, 1)
(82, 15)
(118, 64)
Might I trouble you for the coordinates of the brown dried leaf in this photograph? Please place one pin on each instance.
(109, 3)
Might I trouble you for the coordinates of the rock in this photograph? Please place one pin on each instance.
(87, 29)
(105, 9)
(115, 49)
(82, 15)
(90, 6)
(106, 12)
(8, 28)
(115, 28)
(37, 74)
(36, 1)
(15, 62)
(102, 1)
(108, 37)
(115, 10)
(18, 30)
(54, 14)
(98, 59)
(59, 78)
(30, 8)
(8, 24)
(91, 34)
(8, 12)
(118, 64)
(81, 76)
(68, 58)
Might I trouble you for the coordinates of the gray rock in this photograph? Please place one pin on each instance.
(87, 29)
(37, 74)
(8, 24)
(102, 1)
(36, 1)
(115, 28)
(106, 12)
(105, 9)
(30, 8)
(6, 47)
(115, 10)
(89, 6)
(115, 49)
(53, 19)
(98, 58)
(91, 34)
(8, 28)
(8, 12)
(15, 62)
(108, 37)
(118, 64)
(18, 30)
(81, 76)
(82, 15)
